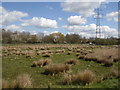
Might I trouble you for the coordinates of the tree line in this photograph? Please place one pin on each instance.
(9, 37)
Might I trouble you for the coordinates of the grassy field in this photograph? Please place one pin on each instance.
(17, 60)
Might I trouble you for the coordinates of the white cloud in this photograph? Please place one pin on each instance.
(49, 7)
(40, 22)
(76, 20)
(83, 8)
(14, 28)
(48, 32)
(89, 30)
(2, 10)
(112, 16)
(8, 17)
(60, 19)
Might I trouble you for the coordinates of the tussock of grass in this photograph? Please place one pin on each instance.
(66, 79)
(4, 84)
(81, 57)
(72, 61)
(115, 59)
(34, 63)
(77, 54)
(115, 73)
(69, 53)
(46, 55)
(108, 63)
(22, 81)
(41, 63)
(57, 68)
(84, 77)
(44, 62)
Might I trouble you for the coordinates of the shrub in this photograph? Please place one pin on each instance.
(72, 61)
(22, 81)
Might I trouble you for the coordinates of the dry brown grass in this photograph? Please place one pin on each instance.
(84, 77)
(81, 57)
(34, 64)
(88, 77)
(22, 81)
(115, 73)
(77, 54)
(69, 53)
(72, 61)
(44, 62)
(102, 55)
(46, 55)
(41, 63)
(108, 63)
(57, 68)
(4, 84)
(66, 79)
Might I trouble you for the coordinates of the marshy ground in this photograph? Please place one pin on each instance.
(67, 66)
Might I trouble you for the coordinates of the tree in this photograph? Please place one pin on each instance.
(33, 39)
(54, 38)
(6, 36)
(73, 38)
(58, 37)
(24, 37)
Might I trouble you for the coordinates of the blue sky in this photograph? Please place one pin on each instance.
(55, 11)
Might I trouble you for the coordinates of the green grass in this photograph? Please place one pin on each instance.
(13, 65)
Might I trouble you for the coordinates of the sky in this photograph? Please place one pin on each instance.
(64, 17)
